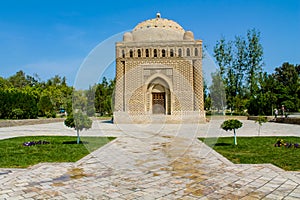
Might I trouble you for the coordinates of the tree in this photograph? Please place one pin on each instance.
(240, 65)
(232, 124)
(224, 59)
(4, 84)
(287, 84)
(254, 60)
(260, 120)
(223, 55)
(16, 104)
(217, 92)
(103, 97)
(90, 106)
(78, 121)
(19, 80)
(45, 106)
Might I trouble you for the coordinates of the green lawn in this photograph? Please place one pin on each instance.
(61, 149)
(257, 150)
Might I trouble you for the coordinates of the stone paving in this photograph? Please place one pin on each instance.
(155, 161)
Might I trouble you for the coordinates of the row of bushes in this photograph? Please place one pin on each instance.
(15, 104)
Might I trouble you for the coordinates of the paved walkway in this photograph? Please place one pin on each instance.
(150, 162)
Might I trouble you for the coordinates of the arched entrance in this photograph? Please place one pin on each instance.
(158, 99)
(158, 96)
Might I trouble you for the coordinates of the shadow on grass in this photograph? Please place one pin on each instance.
(223, 144)
(75, 142)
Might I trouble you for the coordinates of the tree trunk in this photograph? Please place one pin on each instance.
(235, 141)
(78, 138)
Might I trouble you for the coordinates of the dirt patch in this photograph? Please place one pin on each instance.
(77, 173)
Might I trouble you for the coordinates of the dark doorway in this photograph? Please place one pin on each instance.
(158, 103)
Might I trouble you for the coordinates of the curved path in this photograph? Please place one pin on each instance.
(150, 162)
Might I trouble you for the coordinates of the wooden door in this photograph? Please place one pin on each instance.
(158, 103)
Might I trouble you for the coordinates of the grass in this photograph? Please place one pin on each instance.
(61, 149)
(258, 150)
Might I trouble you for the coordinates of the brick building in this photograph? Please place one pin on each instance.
(159, 75)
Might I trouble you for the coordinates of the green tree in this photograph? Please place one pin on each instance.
(4, 84)
(22, 95)
(78, 121)
(240, 64)
(15, 104)
(18, 80)
(287, 84)
(217, 92)
(232, 124)
(79, 101)
(254, 60)
(103, 97)
(223, 55)
(224, 58)
(45, 106)
(260, 120)
(90, 95)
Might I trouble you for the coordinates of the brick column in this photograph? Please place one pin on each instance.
(198, 86)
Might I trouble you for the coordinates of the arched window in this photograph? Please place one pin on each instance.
(139, 53)
(180, 52)
(196, 52)
(171, 53)
(147, 52)
(163, 53)
(188, 52)
(123, 54)
(155, 53)
(131, 53)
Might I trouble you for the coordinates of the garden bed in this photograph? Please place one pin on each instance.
(258, 150)
(21, 152)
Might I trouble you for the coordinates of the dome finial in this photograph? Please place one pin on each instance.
(158, 15)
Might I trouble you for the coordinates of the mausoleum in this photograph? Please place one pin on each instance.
(159, 75)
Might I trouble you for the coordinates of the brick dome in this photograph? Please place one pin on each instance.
(158, 29)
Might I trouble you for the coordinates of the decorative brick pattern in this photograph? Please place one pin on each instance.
(142, 65)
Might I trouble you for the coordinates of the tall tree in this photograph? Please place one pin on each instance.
(254, 60)
(240, 63)
(223, 55)
(18, 80)
(217, 92)
(90, 95)
(224, 59)
(287, 86)
(103, 97)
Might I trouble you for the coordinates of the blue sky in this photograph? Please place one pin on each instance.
(54, 37)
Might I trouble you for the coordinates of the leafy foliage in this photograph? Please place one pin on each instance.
(16, 104)
(78, 121)
(246, 86)
(23, 96)
(260, 120)
(232, 124)
(104, 96)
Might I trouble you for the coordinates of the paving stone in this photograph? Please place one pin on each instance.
(142, 164)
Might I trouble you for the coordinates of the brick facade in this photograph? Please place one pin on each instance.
(156, 77)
